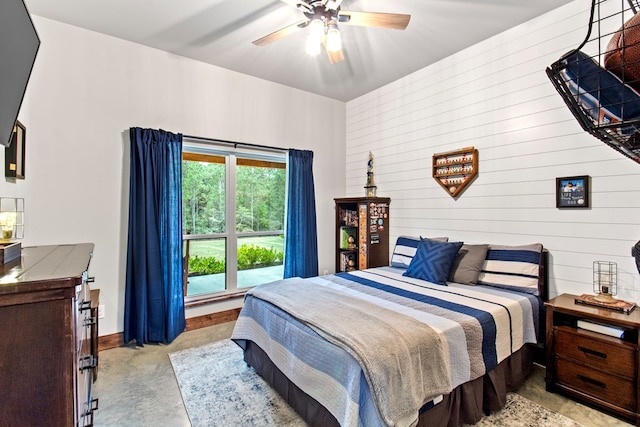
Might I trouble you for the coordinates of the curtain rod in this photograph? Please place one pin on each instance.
(235, 144)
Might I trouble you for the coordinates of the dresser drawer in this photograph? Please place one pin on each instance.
(608, 357)
(612, 389)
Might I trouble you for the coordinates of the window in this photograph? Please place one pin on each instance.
(233, 218)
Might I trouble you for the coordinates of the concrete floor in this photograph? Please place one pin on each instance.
(137, 387)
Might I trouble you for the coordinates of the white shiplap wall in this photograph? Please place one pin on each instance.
(496, 96)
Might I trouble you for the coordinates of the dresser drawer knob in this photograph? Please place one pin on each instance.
(87, 362)
(592, 381)
(89, 321)
(592, 352)
(84, 305)
(88, 415)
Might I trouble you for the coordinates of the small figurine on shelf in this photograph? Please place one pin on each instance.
(351, 242)
(370, 188)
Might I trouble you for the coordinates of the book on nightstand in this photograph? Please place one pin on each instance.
(612, 331)
(619, 305)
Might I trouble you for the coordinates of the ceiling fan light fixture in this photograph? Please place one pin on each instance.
(313, 46)
(316, 28)
(322, 17)
(334, 39)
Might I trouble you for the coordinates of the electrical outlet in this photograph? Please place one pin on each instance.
(101, 311)
(324, 273)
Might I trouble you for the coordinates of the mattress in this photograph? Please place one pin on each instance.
(478, 327)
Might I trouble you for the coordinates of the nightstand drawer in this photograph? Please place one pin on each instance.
(608, 357)
(609, 388)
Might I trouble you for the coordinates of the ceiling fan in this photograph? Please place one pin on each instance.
(322, 18)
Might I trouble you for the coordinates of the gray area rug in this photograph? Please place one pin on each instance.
(219, 389)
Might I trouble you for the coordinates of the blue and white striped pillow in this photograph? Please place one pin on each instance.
(405, 250)
(516, 267)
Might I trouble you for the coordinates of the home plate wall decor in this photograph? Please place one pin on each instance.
(454, 170)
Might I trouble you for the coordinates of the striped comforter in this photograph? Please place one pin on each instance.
(474, 328)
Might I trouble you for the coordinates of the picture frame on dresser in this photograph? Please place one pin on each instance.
(14, 154)
(572, 192)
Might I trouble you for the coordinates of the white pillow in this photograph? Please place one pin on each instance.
(405, 249)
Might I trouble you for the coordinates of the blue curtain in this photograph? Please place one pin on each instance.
(301, 236)
(154, 300)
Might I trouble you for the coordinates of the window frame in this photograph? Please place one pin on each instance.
(233, 156)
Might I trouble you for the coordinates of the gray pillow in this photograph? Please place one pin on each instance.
(468, 264)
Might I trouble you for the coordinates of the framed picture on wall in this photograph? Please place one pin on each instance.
(14, 153)
(572, 192)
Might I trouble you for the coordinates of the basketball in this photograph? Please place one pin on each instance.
(622, 57)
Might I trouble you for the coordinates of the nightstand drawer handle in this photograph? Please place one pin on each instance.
(592, 352)
(592, 381)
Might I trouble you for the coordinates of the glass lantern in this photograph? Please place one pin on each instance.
(605, 280)
(11, 218)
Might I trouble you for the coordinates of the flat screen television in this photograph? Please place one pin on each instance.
(19, 44)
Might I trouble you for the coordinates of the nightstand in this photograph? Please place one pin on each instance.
(592, 367)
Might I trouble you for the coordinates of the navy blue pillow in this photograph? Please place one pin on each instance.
(433, 261)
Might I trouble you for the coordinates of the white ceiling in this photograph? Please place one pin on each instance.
(220, 32)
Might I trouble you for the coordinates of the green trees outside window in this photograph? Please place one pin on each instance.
(258, 194)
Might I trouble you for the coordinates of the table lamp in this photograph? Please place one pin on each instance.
(605, 280)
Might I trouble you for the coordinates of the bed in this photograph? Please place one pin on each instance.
(384, 346)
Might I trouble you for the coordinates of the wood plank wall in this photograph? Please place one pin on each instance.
(496, 96)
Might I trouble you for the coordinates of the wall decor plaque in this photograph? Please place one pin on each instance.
(454, 170)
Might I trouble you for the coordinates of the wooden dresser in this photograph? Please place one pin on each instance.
(593, 367)
(46, 365)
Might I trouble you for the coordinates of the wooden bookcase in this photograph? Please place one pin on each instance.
(366, 221)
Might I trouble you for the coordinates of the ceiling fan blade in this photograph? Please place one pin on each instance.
(335, 56)
(300, 4)
(293, 3)
(276, 35)
(396, 21)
